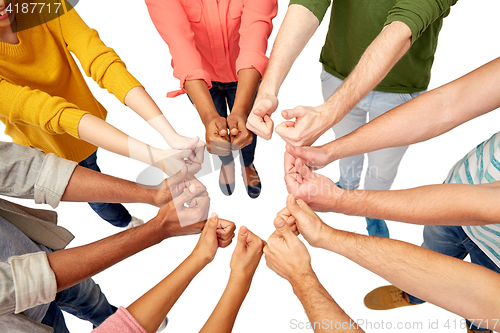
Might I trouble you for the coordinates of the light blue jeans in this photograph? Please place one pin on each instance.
(454, 242)
(382, 164)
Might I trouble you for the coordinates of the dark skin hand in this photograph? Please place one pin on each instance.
(223, 135)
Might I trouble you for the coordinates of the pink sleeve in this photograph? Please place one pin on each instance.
(171, 21)
(256, 27)
(122, 321)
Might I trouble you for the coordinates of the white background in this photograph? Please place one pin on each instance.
(469, 39)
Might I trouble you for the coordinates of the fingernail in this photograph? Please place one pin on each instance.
(192, 188)
(280, 223)
(214, 216)
(292, 199)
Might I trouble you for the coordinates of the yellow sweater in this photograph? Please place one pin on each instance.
(43, 93)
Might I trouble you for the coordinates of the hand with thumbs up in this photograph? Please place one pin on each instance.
(286, 254)
(247, 253)
(211, 238)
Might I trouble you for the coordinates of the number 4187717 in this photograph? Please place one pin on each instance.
(33, 7)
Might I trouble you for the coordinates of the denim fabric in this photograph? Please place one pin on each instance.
(382, 164)
(85, 301)
(114, 213)
(454, 242)
(223, 95)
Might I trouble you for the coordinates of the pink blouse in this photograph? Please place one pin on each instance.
(212, 40)
(121, 321)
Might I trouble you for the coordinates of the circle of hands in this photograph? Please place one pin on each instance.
(185, 204)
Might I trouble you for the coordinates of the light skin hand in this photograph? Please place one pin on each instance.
(259, 120)
(247, 253)
(316, 190)
(225, 231)
(286, 254)
(308, 224)
(209, 241)
(310, 123)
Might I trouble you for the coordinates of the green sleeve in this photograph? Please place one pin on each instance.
(418, 14)
(317, 7)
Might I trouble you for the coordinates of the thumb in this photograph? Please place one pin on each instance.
(232, 125)
(303, 169)
(292, 113)
(283, 228)
(213, 221)
(186, 196)
(242, 238)
(178, 177)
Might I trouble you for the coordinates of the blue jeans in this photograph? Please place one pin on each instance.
(382, 164)
(85, 301)
(223, 95)
(454, 242)
(114, 213)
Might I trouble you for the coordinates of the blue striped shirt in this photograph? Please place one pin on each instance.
(481, 165)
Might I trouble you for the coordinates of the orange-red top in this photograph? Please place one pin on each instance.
(213, 39)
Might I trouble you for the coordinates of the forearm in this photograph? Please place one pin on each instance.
(297, 28)
(200, 96)
(224, 315)
(248, 81)
(466, 289)
(323, 312)
(142, 104)
(444, 204)
(71, 266)
(150, 309)
(90, 186)
(377, 60)
(427, 116)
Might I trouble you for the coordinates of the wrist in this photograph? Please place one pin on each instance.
(199, 260)
(301, 281)
(208, 116)
(241, 278)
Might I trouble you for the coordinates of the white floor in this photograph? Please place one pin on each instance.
(468, 40)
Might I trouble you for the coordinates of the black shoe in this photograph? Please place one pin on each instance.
(227, 189)
(254, 191)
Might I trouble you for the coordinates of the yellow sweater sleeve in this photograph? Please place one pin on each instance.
(98, 61)
(54, 115)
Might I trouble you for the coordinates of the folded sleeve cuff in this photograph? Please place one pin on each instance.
(252, 60)
(317, 7)
(34, 281)
(198, 74)
(69, 121)
(53, 179)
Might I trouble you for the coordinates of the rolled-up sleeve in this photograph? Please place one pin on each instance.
(30, 174)
(317, 7)
(25, 282)
(256, 27)
(418, 14)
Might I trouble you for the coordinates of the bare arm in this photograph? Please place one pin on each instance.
(151, 308)
(141, 103)
(427, 116)
(297, 28)
(244, 262)
(248, 81)
(216, 135)
(323, 312)
(289, 258)
(377, 60)
(443, 204)
(463, 288)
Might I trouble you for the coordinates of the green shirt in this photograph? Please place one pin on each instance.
(354, 24)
